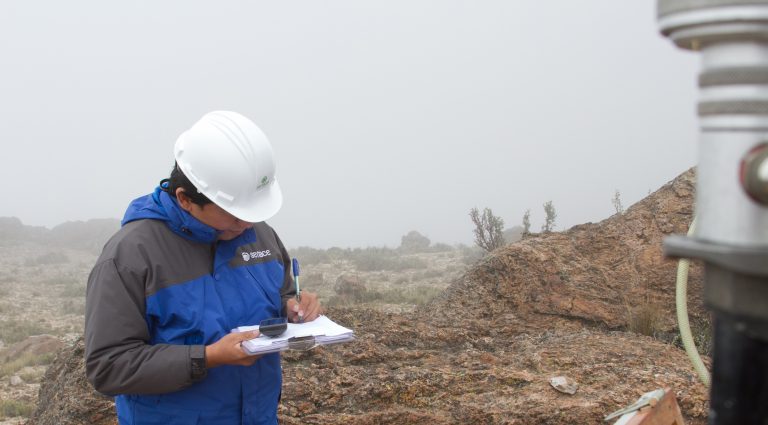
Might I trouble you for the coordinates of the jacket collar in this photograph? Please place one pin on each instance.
(159, 205)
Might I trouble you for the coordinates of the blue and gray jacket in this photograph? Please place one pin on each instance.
(162, 289)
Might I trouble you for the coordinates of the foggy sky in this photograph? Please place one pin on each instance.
(385, 116)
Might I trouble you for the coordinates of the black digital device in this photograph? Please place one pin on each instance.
(273, 327)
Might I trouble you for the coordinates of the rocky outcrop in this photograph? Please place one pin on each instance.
(66, 397)
(484, 352)
(597, 273)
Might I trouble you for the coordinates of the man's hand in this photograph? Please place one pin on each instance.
(309, 308)
(228, 350)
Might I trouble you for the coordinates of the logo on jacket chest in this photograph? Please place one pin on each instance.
(253, 255)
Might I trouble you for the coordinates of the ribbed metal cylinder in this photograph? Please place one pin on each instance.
(732, 36)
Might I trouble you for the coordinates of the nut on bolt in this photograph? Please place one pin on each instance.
(754, 173)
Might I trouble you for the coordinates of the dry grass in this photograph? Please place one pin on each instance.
(17, 330)
(13, 408)
(13, 366)
(645, 319)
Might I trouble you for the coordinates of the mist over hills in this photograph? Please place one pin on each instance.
(87, 235)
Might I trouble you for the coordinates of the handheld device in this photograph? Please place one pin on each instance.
(273, 327)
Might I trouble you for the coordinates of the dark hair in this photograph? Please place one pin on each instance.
(179, 180)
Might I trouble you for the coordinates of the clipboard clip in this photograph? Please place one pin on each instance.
(302, 343)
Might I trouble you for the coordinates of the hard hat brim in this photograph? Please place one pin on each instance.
(260, 206)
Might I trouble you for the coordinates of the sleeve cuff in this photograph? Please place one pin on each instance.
(198, 370)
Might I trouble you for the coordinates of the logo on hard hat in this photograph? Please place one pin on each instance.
(264, 182)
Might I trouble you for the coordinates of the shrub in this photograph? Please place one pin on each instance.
(379, 259)
(470, 255)
(75, 307)
(428, 274)
(410, 263)
(60, 280)
(414, 242)
(419, 295)
(313, 280)
(526, 224)
(441, 247)
(51, 257)
(646, 319)
(32, 377)
(26, 359)
(73, 291)
(307, 255)
(14, 331)
(402, 280)
(616, 201)
(350, 288)
(702, 335)
(13, 408)
(488, 229)
(550, 216)
(701, 330)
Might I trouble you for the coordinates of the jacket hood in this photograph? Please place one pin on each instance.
(159, 205)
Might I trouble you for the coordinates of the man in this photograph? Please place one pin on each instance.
(192, 261)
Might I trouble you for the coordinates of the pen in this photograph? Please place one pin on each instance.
(295, 264)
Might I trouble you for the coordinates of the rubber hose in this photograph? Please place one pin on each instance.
(681, 301)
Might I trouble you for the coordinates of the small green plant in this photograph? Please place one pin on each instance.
(550, 216)
(526, 224)
(617, 202)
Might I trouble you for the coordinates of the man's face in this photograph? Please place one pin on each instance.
(214, 216)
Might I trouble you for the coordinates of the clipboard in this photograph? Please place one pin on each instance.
(298, 336)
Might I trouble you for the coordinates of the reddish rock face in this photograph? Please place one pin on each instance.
(484, 352)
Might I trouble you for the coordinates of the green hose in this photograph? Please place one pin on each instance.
(681, 300)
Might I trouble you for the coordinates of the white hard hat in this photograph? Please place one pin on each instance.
(230, 161)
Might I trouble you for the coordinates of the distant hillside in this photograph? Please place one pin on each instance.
(84, 235)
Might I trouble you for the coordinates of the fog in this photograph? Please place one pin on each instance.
(385, 117)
